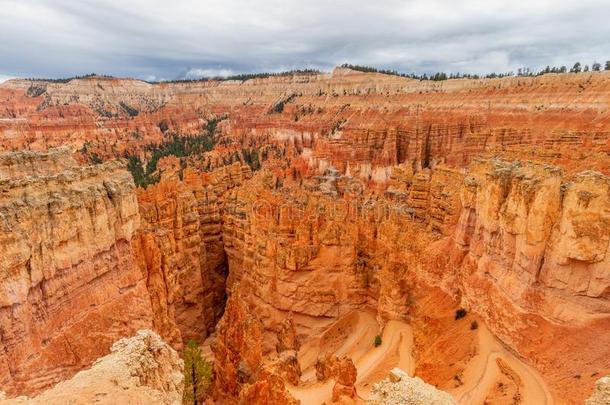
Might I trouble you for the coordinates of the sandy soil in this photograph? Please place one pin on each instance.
(354, 336)
(497, 376)
(493, 375)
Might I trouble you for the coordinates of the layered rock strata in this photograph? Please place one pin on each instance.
(69, 279)
(180, 248)
(361, 123)
(527, 246)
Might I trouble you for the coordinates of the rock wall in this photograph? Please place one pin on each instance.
(523, 245)
(69, 283)
(530, 255)
(180, 247)
(540, 237)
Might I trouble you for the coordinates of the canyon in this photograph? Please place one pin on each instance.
(325, 237)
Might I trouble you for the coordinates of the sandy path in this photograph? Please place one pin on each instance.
(355, 339)
(395, 351)
(482, 372)
(354, 335)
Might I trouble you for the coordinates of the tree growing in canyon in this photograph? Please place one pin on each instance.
(377, 341)
(197, 375)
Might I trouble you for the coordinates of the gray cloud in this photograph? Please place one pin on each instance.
(154, 39)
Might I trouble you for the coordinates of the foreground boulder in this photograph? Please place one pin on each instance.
(401, 389)
(139, 370)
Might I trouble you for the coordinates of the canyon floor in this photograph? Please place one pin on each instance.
(342, 237)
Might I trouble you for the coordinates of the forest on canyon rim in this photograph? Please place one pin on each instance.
(356, 236)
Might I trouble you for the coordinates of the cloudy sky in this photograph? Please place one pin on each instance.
(168, 39)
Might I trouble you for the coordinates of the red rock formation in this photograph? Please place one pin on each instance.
(70, 284)
(268, 389)
(362, 122)
(342, 370)
(181, 250)
(237, 349)
(407, 198)
(530, 257)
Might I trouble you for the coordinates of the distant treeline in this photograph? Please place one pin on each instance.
(180, 146)
(240, 77)
(68, 79)
(577, 68)
(243, 77)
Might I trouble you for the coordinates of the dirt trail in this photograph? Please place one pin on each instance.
(486, 370)
(353, 335)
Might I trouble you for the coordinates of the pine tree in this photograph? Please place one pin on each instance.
(596, 67)
(576, 68)
(607, 65)
(197, 375)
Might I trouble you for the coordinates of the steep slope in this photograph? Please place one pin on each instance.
(70, 284)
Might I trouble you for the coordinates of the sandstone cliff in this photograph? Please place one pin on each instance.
(180, 248)
(363, 122)
(87, 260)
(70, 284)
(510, 226)
(530, 255)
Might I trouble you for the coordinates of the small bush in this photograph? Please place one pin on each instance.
(460, 313)
(474, 325)
(377, 341)
(163, 126)
(96, 159)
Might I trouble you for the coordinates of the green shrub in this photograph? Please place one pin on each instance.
(377, 341)
(474, 325)
(96, 159)
(460, 313)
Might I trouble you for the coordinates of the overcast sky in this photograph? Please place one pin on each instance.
(168, 39)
